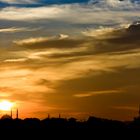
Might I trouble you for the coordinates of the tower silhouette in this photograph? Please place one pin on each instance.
(11, 113)
(17, 114)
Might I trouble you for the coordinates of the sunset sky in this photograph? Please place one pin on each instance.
(73, 57)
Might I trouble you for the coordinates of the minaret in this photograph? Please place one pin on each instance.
(11, 113)
(48, 116)
(59, 116)
(17, 114)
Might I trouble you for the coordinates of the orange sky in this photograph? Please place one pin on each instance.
(80, 62)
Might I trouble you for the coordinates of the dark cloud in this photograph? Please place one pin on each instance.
(118, 40)
(105, 81)
(73, 55)
(128, 36)
(54, 43)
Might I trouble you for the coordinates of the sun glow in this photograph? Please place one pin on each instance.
(6, 105)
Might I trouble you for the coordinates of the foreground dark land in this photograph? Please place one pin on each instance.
(69, 128)
(67, 124)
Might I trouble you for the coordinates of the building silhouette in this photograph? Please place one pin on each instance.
(11, 114)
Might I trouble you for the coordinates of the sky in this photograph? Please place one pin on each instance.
(71, 57)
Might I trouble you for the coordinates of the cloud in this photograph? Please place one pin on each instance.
(103, 37)
(63, 36)
(16, 60)
(29, 41)
(50, 42)
(97, 54)
(130, 108)
(104, 32)
(96, 93)
(67, 13)
(115, 3)
(15, 13)
(100, 32)
(102, 84)
(123, 39)
(14, 29)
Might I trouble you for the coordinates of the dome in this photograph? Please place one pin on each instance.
(6, 117)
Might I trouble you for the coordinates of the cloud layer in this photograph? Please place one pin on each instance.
(72, 57)
(70, 73)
